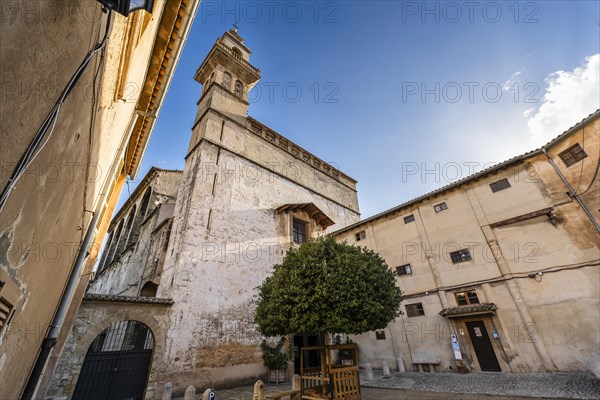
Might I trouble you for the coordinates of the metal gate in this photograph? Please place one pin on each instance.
(116, 364)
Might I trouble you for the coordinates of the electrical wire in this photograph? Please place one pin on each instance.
(582, 162)
(508, 277)
(90, 144)
(45, 131)
(593, 178)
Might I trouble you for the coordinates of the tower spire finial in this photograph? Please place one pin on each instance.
(235, 26)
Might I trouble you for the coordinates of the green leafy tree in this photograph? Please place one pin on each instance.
(327, 287)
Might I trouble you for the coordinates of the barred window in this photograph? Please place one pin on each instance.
(460, 256)
(299, 231)
(499, 185)
(409, 218)
(404, 270)
(572, 155)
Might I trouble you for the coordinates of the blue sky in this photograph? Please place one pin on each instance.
(403, 96)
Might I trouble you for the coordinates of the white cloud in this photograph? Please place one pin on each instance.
(570, 96)
(527, 113)
(512, 80)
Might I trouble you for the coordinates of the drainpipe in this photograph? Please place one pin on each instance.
(572, 191)
(65, 301)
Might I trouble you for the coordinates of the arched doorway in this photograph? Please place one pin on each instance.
(117, 363)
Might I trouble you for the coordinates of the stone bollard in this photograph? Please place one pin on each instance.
(190, 393)
(386, 368)
(296, 385)
(209, 394)
(400, 362)
(259, 390)
(369, 371)
(168, 391)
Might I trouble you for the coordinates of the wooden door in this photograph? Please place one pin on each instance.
(483, 346)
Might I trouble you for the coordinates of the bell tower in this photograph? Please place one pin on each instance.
(227, 76)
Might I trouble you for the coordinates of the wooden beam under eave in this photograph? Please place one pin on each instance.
(522, 217)
(166, 38)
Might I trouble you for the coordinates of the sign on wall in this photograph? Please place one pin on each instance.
(455, 347)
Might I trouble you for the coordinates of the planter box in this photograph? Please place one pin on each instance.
(277, 376)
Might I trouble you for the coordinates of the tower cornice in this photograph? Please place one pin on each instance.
(222, 54)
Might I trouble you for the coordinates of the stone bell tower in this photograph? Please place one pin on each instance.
(227, 76)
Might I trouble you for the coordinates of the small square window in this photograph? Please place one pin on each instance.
(572, 155)
(404, 270)
(460, 256)
(499, 185)
(409, 218)
(414, 310)
(440, 207)
(380, 335)
(466, 298)
(362, 235)
(299, 231)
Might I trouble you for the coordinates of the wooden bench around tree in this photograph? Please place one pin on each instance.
(330, 379)
(292, 394)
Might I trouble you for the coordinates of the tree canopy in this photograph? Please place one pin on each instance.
(327, 287)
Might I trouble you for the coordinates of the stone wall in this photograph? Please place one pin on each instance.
(226, 238)
(131, 257)
(94, 317)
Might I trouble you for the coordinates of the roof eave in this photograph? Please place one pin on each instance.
(477, 175)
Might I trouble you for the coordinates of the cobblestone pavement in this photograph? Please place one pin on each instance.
(452, 386)
(545, 385)
(378, 394)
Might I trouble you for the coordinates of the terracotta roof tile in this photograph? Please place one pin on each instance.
(466, 310)
(126, 299)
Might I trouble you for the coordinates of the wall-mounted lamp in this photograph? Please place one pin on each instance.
(124, 7)
(537, 276)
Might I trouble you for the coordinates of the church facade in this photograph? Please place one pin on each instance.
(188, 248)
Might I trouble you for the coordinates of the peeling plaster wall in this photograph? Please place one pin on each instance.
(226, 238)
(45, 218)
